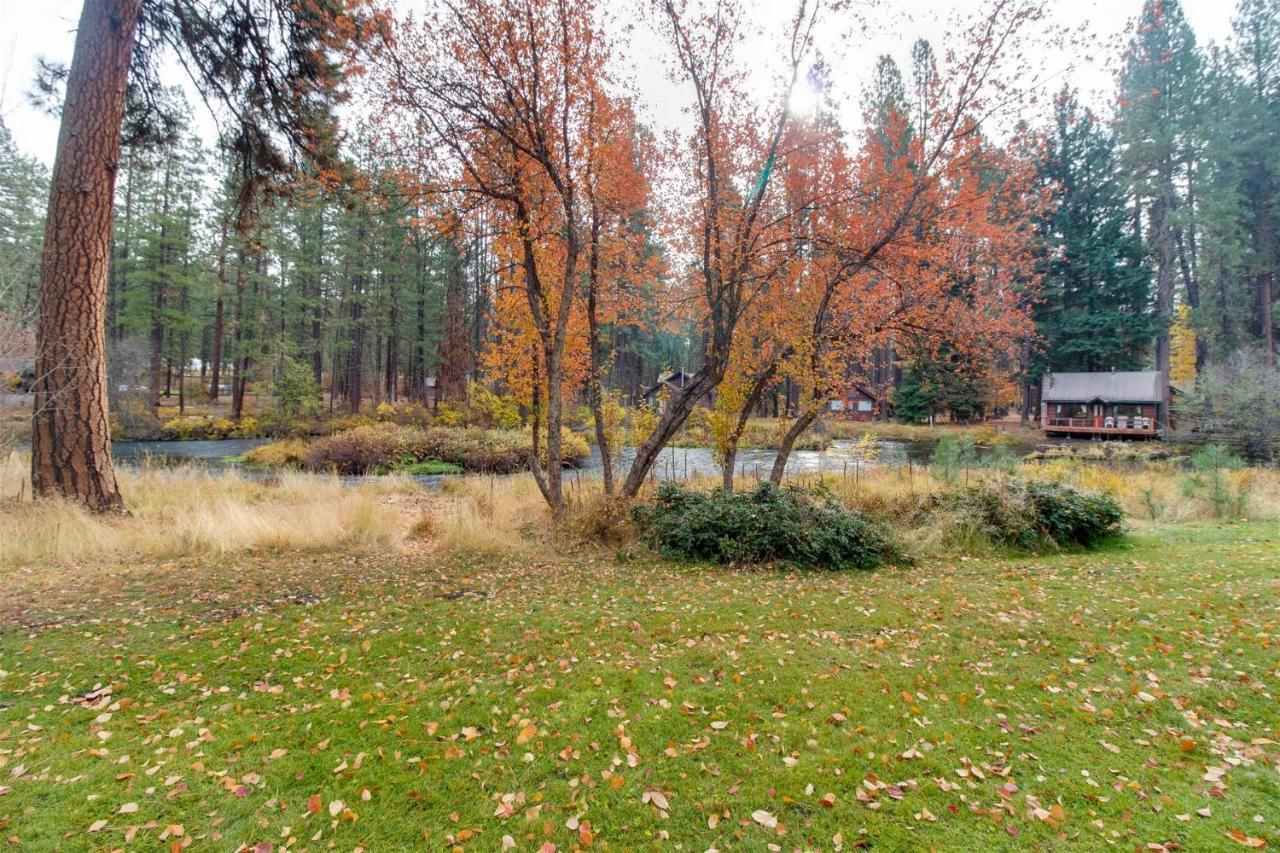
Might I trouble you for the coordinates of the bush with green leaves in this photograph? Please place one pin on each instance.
(1028, 516)
(784, 524)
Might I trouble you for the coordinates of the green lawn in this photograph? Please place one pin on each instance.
(1125, 697)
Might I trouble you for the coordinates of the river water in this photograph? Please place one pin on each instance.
(676, 463)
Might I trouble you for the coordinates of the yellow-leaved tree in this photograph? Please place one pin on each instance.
(1182, 346)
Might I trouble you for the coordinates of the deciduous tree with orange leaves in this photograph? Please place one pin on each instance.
(920, 236)
(512, 95)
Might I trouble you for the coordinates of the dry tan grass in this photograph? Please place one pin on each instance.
(1153, 491)
(489, 514)
(188, 511)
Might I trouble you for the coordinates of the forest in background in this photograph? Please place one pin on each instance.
(1140, 237)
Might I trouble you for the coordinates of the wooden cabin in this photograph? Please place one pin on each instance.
(1116, 404)
(669, 385)
(856, 403)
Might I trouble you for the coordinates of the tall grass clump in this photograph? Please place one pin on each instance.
(192, 512)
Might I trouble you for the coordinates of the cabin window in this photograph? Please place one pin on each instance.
(837, 405)
(864, 405)
(1131, 410)
(1072, 410)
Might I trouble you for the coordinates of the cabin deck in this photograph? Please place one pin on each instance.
(1088, 426)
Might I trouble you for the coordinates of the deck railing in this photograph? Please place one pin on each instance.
(1092, 423)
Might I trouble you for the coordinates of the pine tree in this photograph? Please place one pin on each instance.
(273, 66)
(1156, 128)
(1093, 312)
(24, 188)
(1257, 45)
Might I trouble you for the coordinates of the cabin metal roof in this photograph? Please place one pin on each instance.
(1133, 386)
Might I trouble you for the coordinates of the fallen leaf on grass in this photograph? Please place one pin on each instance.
(657, 798)
(1245, 840)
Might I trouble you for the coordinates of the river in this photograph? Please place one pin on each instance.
(677, 463)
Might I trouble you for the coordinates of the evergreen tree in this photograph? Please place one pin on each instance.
(1093, 312)
(24, 189)
(1257, 47)
(1159, 90)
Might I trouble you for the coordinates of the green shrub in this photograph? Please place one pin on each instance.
(574, 448)
(180, 429)
(246, 427)
(1029, 516)
(1071, 517)
(771, 523)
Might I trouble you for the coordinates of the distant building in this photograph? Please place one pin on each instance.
(855, 403)
(668, 385)
(1117, 404)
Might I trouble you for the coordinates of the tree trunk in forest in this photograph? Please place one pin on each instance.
(116, 280)
(238, 361)
(392, 384)
(71, 437)
(454, 354)
(216, 358)
(317, 309)
(158, 283)
(1165, 250)
(1266, 285)
(355, 362)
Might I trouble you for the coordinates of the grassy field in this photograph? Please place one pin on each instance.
(1126, 697)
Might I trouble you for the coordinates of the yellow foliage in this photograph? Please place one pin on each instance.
(1182, 346)
(643, 422)
(451, 415)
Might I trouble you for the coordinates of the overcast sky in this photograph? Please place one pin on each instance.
(33, 28)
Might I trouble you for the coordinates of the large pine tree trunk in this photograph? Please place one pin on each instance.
(71, 438)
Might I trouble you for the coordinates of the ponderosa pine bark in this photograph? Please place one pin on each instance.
(71, 436)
